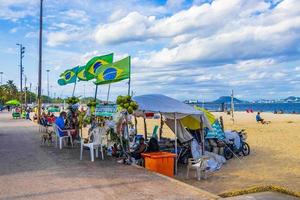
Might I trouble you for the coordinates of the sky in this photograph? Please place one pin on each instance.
(186, 49)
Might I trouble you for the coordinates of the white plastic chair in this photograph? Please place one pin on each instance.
(95, 144)
(61, 138)
(199, 165)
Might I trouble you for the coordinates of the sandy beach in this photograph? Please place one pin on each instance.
(274, 158)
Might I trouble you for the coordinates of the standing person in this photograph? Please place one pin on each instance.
(28, 114)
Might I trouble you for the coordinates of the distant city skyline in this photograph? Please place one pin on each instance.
(187, 49)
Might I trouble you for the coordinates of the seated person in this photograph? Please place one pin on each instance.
(153, 145)
(136, 154)
(261, 120)
(60, 122)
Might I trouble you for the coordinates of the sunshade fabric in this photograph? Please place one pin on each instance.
(13, 102)
(168, 106)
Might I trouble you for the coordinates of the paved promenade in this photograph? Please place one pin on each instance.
(31, 171)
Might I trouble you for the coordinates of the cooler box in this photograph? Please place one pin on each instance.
(160, 162)
(16, 115)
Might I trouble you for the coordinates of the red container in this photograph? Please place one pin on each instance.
(160, 162)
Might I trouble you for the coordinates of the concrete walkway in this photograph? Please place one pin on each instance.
(31, 171)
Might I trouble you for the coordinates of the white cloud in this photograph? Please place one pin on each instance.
(133, 26)
(14, 10)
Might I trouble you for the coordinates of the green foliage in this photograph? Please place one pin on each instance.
(9, 91)
(72, 100)
(86, 100)
(92, 103)
(125, 102)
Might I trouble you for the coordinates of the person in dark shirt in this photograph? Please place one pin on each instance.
(141, 149)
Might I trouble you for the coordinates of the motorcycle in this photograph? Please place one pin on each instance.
(230, 148)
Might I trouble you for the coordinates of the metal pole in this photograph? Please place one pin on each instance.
(40, 62)
(30, 100)
(21, 72)
(21, 75)
(175, 118)
(74, 88)
(232, 107)
(129, 81)
(96, 93)
(25, 91)
(48, 93)
(108, 93)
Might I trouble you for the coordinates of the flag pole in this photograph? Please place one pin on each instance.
(108, 91)
(74, 87)
(96, 93)
(129, 81)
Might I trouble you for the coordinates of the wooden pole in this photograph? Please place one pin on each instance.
(201, 131)
(145, 127)
(175, 118)
(161, 125)
(135, 122)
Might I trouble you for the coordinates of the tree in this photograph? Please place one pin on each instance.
(8, 91)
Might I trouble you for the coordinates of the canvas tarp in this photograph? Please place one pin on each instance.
(182, 134)
(167, 106)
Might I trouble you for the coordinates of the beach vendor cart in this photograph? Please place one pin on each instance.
(173, 111)
(16, 112)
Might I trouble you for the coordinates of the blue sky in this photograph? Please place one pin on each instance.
(187, 49)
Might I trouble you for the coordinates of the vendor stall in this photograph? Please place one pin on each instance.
(173, 111)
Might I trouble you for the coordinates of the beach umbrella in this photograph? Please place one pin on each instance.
(13, 102)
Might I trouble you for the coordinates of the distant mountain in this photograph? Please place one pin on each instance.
(292, 99)
(227, 99)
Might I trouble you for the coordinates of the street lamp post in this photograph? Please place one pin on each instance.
(30, 100)
(48, 92)
(40, 62)
(1, 73)
(22, 51)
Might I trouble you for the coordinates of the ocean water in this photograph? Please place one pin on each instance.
(263, 107)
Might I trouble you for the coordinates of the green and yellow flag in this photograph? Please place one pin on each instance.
(95, 63)
(114, 72)
(69, 76)
(81, 74)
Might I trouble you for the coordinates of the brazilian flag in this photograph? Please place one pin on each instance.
(81, 74)
(114, 72)
(95, 63)
(69, 76)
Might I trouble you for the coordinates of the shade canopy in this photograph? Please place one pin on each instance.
(13, 102)
(168, 107)
(163, 104)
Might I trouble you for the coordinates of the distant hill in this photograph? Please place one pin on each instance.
(227, 99)
(292, 99)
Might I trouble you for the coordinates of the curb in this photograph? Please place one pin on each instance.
(210, 195)
(255, 189)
